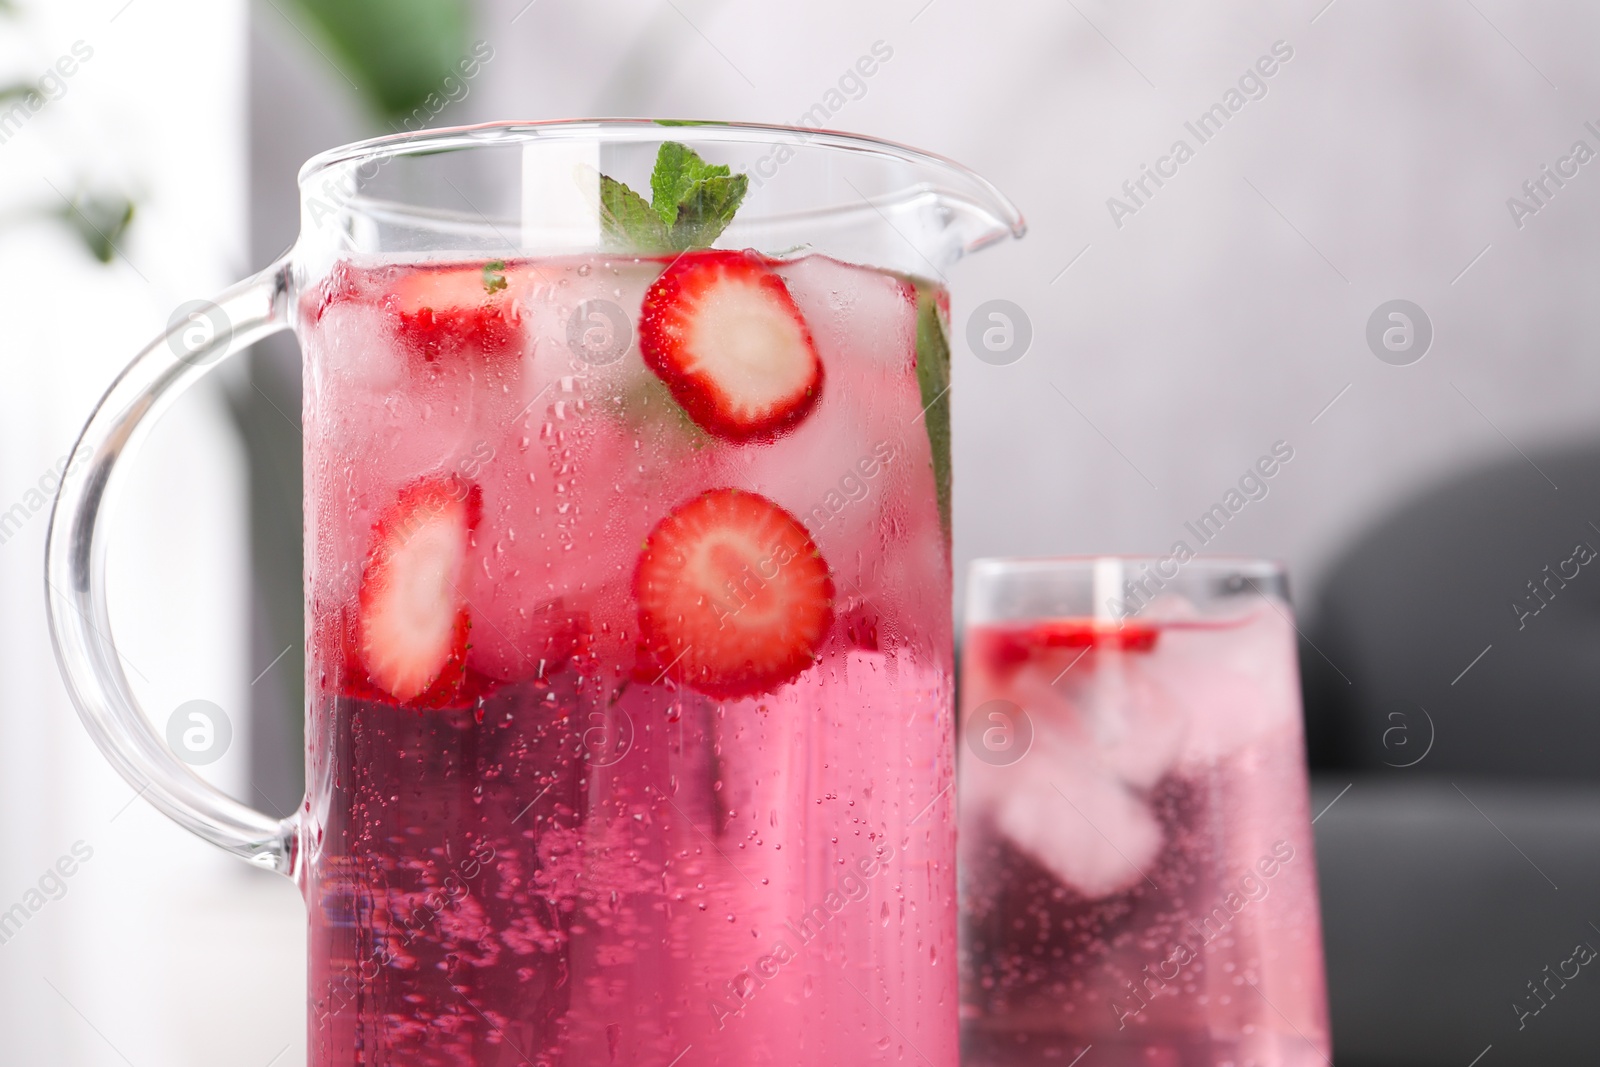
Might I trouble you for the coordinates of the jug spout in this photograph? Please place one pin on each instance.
(937, 221)
(873, 201)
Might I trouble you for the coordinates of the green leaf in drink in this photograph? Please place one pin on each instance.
(494, 276)
(933, 376)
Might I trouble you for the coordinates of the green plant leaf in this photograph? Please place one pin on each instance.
(494, 276)
(679, 169)
(707, 209)
(18, 91)
(933, 377)
(397, 52)
(692, 202)
(628, 221)
(100, 221)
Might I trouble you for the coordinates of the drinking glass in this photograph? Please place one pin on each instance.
(629, 701)
(1136, 854)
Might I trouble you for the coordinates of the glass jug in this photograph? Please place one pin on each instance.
(629, 647)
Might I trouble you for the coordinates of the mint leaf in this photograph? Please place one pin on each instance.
(629, 221)
(933, 376)
(679, 169)
(706, 209)
(691, 203)
(494, 276)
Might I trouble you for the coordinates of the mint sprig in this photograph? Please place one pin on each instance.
(629, 221)
(679, 170)
(706, 209)
(494, 276)
(933, 378)
(691, 203)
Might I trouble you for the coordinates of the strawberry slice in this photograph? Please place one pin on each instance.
(734, 598)
(339, 653)
(1134, 636)
(721, 330)
(461, 310)
(1007, 647)
(411, 621)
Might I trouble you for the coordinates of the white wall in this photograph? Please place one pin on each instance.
(161, 950)
(1206, 327)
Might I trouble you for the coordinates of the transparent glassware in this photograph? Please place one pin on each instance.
(553, 841)
(1136, 851)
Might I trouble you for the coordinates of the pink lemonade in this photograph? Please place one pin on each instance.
(1138, 869)
(630, 735)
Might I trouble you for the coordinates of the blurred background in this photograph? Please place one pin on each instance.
(1438, 514)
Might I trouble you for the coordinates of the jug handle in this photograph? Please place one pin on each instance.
(80, 625)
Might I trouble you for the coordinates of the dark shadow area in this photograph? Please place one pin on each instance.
(1488, 565)
(1452, 677)
(266, 410)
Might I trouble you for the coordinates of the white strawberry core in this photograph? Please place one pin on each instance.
(753, 349)
(410, 622)
(715, 570)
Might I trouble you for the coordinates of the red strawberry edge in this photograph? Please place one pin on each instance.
(421, 502)
(701, 636)
(665, 321)
(1009, 646)
(445, 313)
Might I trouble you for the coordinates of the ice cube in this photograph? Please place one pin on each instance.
(866, 318)
(1134, 722)
(1238, 682)
(855, 470)
(542, 553)
(1071, 814)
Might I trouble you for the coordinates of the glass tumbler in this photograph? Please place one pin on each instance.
(1136, 853)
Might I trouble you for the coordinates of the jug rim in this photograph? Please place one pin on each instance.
(626, 130)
